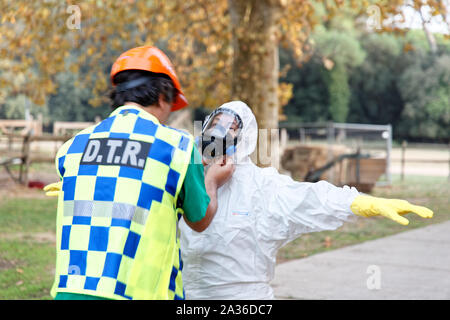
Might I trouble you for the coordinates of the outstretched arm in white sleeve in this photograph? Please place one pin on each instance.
(293, 208)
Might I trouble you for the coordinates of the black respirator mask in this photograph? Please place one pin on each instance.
(220, 134)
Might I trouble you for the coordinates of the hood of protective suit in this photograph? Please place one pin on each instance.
(249, 134)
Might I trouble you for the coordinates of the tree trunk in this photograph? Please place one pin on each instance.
(430, 36)
(256, 64)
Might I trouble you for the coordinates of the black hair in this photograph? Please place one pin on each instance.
(145, 94)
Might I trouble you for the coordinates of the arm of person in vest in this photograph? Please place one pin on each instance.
(199, 194)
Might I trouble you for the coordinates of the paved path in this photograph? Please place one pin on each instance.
(410, 265)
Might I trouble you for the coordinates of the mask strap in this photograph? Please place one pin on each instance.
(131, 84)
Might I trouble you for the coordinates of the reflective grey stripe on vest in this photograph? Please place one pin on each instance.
(87, 208)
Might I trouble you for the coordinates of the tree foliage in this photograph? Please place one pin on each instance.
(400, 82)
(222, 49)
(198, 35)
(375, 94)
(426, 92)
(71, 102)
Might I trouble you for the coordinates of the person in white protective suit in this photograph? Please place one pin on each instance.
(260, 211)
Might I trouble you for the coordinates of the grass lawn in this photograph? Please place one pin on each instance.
(27, 228)
(27, 247)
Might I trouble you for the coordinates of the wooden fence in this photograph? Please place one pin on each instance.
(24, 133)
(25, 157)
(22, 127)
(403, 160)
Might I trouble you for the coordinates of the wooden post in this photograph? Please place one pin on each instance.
(389, 154)
(331, 141)
(10, 143)
(402, 176)
(358, 165)
(283, 140)
(25, 160)
(38, 124)
(302, 135)
(22, 161)
(448, 162)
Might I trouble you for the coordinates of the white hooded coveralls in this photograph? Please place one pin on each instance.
(259, 211)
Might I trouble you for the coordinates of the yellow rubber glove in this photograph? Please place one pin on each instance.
(367, 206)
(53, 189)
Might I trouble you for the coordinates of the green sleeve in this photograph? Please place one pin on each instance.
(77, 296)
(193, 198)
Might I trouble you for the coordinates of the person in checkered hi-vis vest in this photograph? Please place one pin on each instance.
(125, 183)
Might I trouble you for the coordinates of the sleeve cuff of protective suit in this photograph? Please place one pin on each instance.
(353, 194)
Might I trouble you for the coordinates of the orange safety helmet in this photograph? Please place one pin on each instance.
(151, 59)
